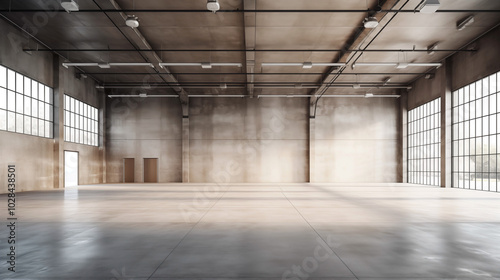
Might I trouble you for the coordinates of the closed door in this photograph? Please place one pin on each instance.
(128, 170)
(150, 170)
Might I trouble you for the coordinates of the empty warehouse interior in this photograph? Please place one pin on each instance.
(250, 139)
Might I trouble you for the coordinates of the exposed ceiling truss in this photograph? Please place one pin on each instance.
(292, 36)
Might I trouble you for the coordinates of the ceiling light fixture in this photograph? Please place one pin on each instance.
(398, 65)
(370, 22)
(356, 86)
(142, 95)
(105, 65)
(432, 49)
(70, 6)
(132, 21)
(213, 5)
(429, 6)
(462, 24)
(204, 65)
(285, 96)
(215, 95)
(362, 95)
(304, 65)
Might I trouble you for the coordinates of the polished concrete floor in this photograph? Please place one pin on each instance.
(255, 231)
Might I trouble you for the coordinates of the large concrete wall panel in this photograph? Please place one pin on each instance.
(356, 140)
(249, 140)
(144, 128)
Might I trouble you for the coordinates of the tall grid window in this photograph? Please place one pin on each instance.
(476, 128)
(26, 106)
(81, 122)
(424, 144)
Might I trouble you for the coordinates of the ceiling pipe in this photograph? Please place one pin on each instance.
(261, 74)
(243, 50)
(240, 11)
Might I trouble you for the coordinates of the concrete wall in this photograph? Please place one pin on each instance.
(256, 140)
(356, 140)
(39, 161)
(249, 140)
(144, 128)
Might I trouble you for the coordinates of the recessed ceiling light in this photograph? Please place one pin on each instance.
(356, 86)
(368, 95)
(370, 22)
(213, 5)
(429, 6)
(70, 6)
(132, 21)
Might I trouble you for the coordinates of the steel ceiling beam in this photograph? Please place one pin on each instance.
(260, 74)
(240, 11)
(245, 50)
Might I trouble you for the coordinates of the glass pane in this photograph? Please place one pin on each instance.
(27, 86)
(11, 80)
(51, 96)
(11, 101)
(51, 130)
(47, 95)
(41, 92)
(34, 108)
(3, 120)
(47, 111)
(41, 128)
(11, 121)
(51, 113)
(3, 98)
(493, 104)
(19, 103)
(19, 83)
(47, 129)
(27, 125)
(41, 110)
(34, 89)
(3, 77)
(493, 83)
(27, 106)
(19, 123)
(34, 126)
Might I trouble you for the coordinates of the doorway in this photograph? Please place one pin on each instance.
(70, 169)
(128, 170)
(150, 170)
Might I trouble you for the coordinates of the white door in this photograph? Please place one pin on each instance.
(70, 169)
